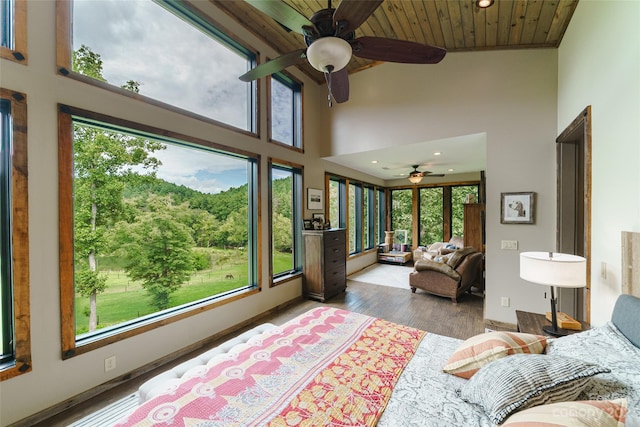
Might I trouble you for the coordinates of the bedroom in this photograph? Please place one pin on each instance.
(520, 156)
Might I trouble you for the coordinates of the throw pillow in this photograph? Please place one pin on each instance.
(482, 349)
(522, 381)
(456, 257)
(581, 413)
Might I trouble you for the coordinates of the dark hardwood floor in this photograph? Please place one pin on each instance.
(420, 310)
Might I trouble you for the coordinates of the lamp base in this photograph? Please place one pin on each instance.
(559, 332)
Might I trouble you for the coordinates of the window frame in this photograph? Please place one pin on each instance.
(17, 52)
(296, 87)
(296, 210)
(70, 345)
(191, 15)
(19, 225)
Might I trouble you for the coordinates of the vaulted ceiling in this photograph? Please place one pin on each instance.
(456, 25)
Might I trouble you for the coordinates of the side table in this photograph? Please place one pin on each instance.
(532, 323)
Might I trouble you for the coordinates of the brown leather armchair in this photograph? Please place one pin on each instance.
(450, 278)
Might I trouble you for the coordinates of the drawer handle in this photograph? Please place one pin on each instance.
(336, 250)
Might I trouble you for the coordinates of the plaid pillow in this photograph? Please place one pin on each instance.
(525, 380)
(482, 349)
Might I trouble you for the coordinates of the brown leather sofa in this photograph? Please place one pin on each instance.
(450, 278)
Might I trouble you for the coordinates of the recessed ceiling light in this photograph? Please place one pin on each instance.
(449, 170)
(374, 161)
(437, 153)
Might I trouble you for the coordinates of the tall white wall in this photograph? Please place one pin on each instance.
(509, 95)
(599, 65)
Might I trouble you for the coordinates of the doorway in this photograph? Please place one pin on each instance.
(573, 221)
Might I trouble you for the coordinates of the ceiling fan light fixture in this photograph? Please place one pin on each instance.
(415, 177)
(483, 4)
(329, 54)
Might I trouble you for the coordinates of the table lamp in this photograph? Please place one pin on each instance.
(555, 270)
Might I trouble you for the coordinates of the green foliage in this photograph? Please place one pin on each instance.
(88, 282)
(201, 259)
(157, 248)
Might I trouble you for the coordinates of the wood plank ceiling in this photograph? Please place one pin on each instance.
(456, 25)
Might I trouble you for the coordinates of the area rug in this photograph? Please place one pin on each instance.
(396, 276)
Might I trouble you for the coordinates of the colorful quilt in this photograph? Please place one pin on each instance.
(326, 367)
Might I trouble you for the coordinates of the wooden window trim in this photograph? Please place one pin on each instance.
(20, 236)
(19, 52)
(65, 213)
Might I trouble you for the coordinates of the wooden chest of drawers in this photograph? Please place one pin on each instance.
(325, 263)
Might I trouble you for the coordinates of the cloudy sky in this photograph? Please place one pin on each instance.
(175, 63)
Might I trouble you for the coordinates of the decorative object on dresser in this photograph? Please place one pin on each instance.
(554, 269)
(325, 268)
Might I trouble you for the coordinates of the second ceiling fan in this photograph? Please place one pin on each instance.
(330, 38)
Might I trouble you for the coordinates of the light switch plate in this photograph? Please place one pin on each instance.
(511, 245)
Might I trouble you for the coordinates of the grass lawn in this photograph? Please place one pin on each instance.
(125, 300)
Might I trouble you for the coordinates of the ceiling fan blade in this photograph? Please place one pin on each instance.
(275, 65)
(339, 85)
(353, 13)
(433, 174)
(391, 50)
(283, 13)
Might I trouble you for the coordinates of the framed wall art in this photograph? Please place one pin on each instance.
(517, 208)
(314, 199)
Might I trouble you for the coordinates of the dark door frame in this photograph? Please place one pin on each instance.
(573, 207)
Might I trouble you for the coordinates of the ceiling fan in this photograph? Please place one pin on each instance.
(415, 176)
(330, 38)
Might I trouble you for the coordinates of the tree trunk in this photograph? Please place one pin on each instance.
(93, 315)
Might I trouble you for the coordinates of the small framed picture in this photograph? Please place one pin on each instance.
(318, 217)
(517, 208)
(314, 199)
(307, 224)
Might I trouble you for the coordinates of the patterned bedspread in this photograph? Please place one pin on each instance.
(325, 367)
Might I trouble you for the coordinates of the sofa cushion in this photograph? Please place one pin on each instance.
(455, 259)
(440, 267)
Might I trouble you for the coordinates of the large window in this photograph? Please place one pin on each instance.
(286, 110)
(338, 202)
(431, 215)
(151, 227)
(166, 51)
(13, 30)
(402, 214)
(355, 226)
(369, 217)
(15, 342)
(286, 219)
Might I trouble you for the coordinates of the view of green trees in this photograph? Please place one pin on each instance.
(143, 244)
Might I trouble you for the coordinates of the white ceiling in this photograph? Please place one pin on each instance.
(463, 154)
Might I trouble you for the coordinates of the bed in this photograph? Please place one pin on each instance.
(334, 367)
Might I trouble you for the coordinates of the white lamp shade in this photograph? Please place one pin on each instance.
(561, 270)
(415, 179)
(329, 51)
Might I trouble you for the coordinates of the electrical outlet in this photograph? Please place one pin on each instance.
(109, 363)
(511, 245)
(504, 301)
